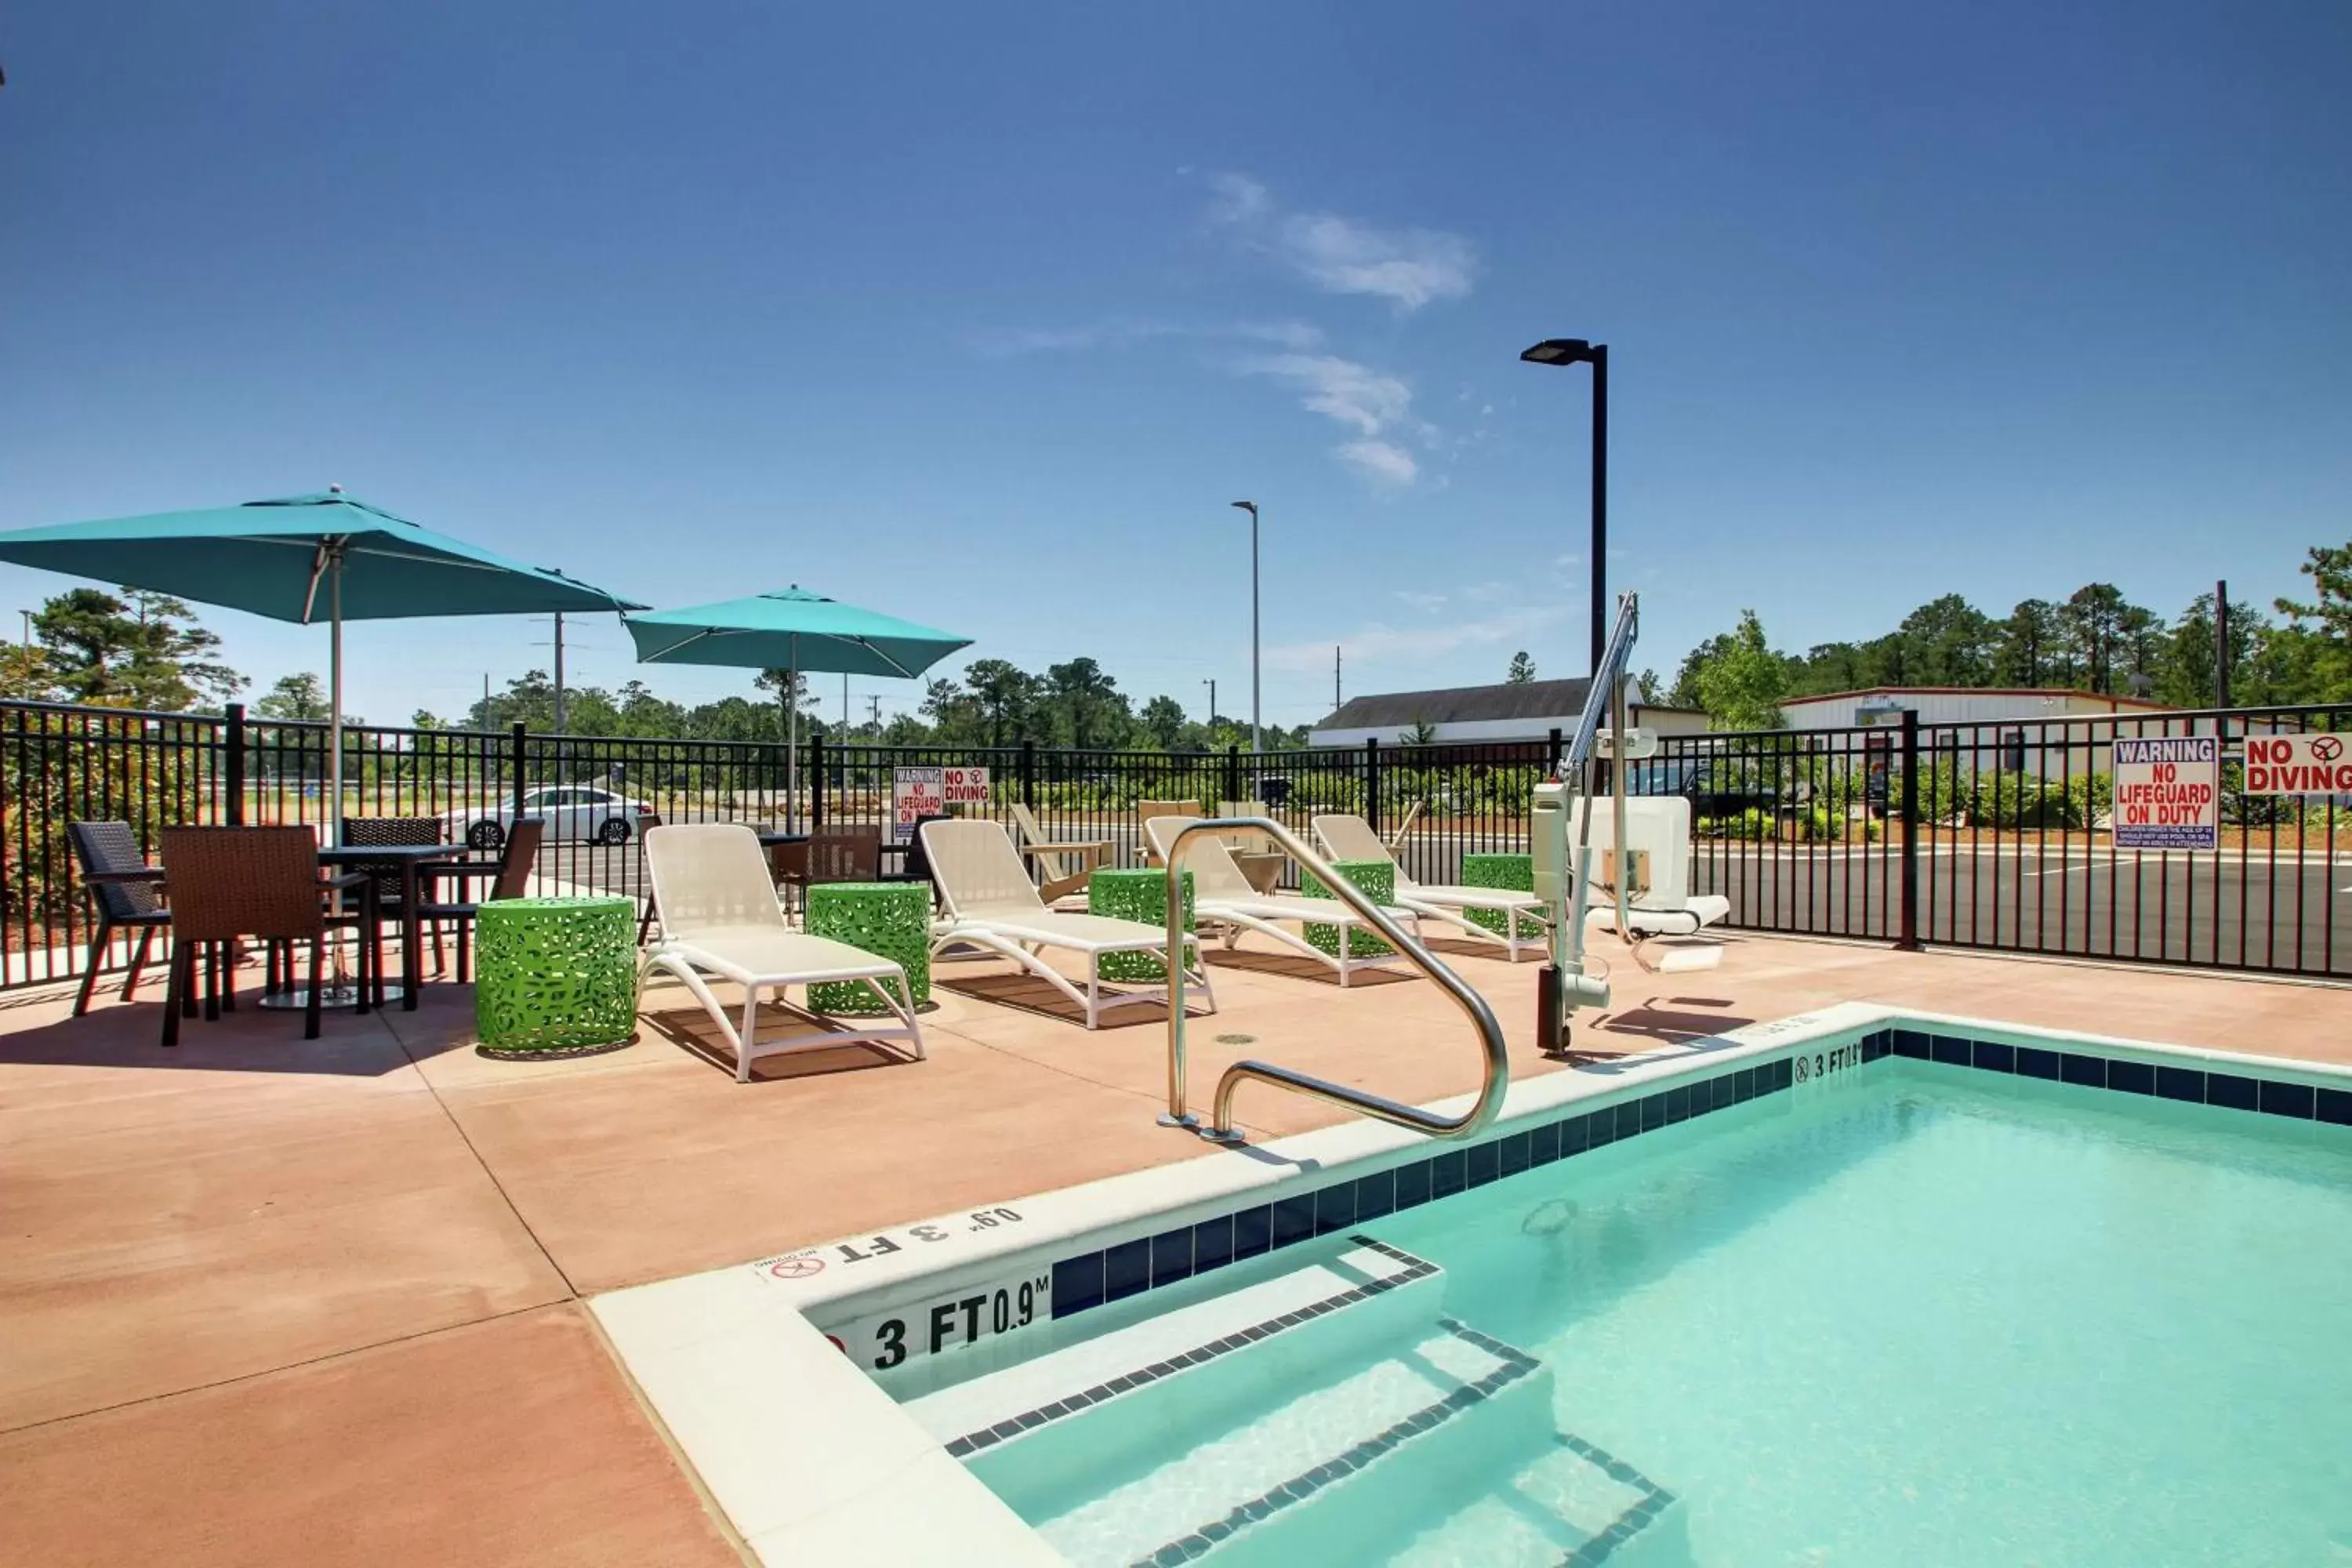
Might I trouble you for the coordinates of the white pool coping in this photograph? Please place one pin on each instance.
(813, 1462)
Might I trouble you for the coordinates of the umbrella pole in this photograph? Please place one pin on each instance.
(793, 743)
(335, 701)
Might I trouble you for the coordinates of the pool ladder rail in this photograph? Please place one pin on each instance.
(1469, 1124)
(1606, 688)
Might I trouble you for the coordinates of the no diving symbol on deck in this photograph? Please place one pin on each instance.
(2326, 748)
(804, 1266)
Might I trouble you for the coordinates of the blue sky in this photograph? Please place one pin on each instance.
(980, 315)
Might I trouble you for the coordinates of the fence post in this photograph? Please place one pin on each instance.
(1907, 931)
(1029, 774)
(515, 756)
(1551, 756)
(816, 780)
(233, 770)
(1372, 781)
(1234, 772)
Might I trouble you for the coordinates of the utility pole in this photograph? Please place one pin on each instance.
(2221, 644)
(1212, 684)
(1336, 704)
(874, 714)
(559, 672)
(844, 702)
(485, 699)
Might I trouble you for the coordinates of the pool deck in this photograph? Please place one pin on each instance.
(276, 1301)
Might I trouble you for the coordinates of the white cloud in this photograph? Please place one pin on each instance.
(1389, 464)
(1408, 267)
(1421, 600)
(1368, 401)
(1380, 642)
(1340, 389)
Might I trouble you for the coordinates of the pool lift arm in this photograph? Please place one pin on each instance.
(1563, 874)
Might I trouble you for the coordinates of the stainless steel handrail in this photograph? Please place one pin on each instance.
(1490, 1033)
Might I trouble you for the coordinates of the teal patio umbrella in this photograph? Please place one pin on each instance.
(305, 559)
(794, 631)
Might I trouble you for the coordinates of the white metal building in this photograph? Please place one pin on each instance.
(1948, 705)
(1463, 715)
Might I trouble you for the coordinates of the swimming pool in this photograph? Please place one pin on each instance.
(1917, 1312)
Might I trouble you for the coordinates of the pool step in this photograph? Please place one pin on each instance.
(1195, 1362)
(1444, 1395)
(1573, 1502)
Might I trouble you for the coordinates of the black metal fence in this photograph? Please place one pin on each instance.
(1995, 835)
(1982, 835)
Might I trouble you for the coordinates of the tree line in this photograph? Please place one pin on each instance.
(2093, 640)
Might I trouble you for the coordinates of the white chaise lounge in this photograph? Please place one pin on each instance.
(1222, 895)
(1345, 837)
(719, 918)
(991, 903)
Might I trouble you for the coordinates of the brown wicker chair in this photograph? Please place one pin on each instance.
(365, 832)
(511, 874)
(232, 882)
(123, 891)
(646, 820)
(845, 852)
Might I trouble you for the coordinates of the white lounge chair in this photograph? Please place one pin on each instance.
(991, 903)
(1659, 900)
(1346, 836)
(1222, 895)
(720, 917)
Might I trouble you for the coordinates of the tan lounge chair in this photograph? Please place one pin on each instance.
(720, 917)
(1346, 836)
(1222, 896)
(991, 903)
(1063, 865)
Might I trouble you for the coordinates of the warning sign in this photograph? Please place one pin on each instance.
(2168, 794)
(914, 794)
(919, 793)
(2298, 764)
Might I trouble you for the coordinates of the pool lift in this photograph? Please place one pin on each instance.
(1565, 872)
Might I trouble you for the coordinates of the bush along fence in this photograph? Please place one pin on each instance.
(1991, 836)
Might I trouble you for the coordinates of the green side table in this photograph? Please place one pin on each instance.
(1376, 879)
(555, 976)
(1509, 873)
(1139, 894)
(890, 919)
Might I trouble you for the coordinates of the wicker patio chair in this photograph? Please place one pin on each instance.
(122, 891)
(366, 832)
(511, 879)
(231, 882)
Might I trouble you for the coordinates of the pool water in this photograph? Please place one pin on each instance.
(1918, 1315)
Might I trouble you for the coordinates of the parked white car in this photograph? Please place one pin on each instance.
(570, 811)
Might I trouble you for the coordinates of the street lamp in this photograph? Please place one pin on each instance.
(1256, 745)
(1577, 350)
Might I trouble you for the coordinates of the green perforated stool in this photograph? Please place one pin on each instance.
(1376, 879)
(1136, 895)
(1509, 873)
(889, 919)
(555, 976)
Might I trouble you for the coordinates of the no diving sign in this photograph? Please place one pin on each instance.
(2168, 793)
(2298, 764)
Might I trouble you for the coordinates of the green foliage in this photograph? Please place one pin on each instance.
(1753, 823)
(139, 650)
(1742, 685)
(1522, 670)
(294, 697)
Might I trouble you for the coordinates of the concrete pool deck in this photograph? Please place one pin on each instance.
(277, 1300)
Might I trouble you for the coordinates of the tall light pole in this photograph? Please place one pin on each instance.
(1577, 350)
(1257, 745)
(1212, 684)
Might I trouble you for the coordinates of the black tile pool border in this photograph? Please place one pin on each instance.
(1089, 1279)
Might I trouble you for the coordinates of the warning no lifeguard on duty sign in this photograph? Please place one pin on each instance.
(2168, 794)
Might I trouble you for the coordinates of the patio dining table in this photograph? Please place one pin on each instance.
(408, 857)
